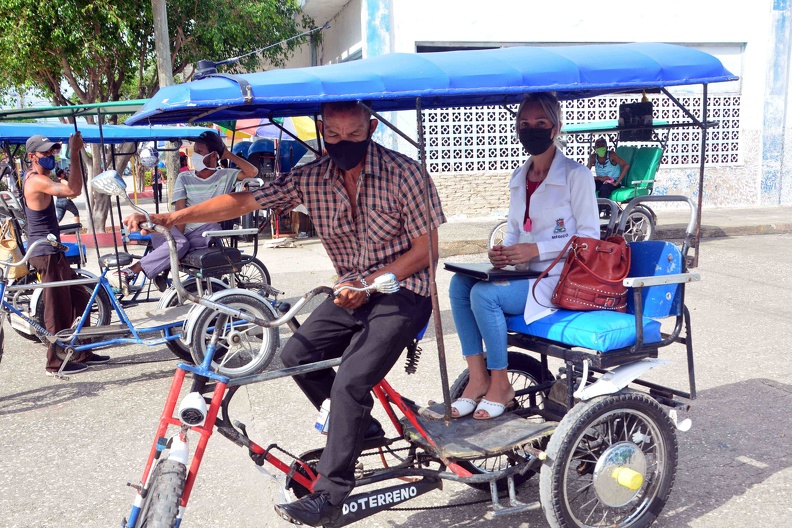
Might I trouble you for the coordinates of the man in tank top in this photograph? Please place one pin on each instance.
(62, 305)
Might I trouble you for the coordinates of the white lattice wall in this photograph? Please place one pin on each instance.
(483, 139)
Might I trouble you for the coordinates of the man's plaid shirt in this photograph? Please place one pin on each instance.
(390, 211)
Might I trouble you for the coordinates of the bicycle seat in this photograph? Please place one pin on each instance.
(211, 257)
(110, 260)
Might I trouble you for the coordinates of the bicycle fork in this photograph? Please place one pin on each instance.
(178, 444)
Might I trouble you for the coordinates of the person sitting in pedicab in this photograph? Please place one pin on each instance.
(609, 169)
(552, 199)
(207, 181)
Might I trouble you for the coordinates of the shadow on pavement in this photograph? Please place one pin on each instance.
(63, 391)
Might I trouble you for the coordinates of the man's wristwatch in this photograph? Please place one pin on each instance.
(365, 284)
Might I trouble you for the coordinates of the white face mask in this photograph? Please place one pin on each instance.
(198, 162)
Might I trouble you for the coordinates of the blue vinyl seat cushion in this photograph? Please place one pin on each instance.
(599, 330)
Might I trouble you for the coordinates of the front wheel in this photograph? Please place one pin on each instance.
(640, 225)
(611, 462)
(243, 348)
(166, 486)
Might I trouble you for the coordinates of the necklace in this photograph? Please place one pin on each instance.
(537, 176)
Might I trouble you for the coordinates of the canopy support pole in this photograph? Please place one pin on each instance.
(702, 153)
(438, 323)
(303, 143)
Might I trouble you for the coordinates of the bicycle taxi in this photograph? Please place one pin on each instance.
(218, 267)
(602, 440)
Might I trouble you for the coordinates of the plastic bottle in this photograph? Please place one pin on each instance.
(526, 237)
(323, 419)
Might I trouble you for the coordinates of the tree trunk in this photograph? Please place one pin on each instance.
(100, 203)
(165, 74)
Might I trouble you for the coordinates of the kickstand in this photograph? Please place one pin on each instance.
(515, 506)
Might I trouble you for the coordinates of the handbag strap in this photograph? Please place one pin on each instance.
(548, 268)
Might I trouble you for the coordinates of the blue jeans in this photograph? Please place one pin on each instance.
(479, 309)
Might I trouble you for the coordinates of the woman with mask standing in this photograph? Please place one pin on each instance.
(207, 181)
(552, 199)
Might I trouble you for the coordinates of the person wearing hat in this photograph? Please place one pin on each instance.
(62, 305)
(207, 181)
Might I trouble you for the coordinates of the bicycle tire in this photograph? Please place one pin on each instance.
(101, 310)
(177, 346)
(497, 235)
(244, 348)
(161, 506)
(252, 276)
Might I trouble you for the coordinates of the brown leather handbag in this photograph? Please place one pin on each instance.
(593, 275)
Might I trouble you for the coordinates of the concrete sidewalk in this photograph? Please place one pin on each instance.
(463, 235)
(470, 235)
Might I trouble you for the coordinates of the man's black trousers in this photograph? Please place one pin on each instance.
(370, 341)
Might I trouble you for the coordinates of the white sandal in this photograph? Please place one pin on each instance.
(463, 407)
(493, 409)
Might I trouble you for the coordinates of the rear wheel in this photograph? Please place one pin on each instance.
(497, 235)
(611, 462)
(524, 371)
(640, 225)
(243, 348)
(101, 309)
(166, 486)
(252, 276)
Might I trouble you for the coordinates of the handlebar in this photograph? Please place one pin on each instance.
(230, 232)
(385, 283)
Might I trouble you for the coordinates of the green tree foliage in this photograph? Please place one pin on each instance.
(87, 51)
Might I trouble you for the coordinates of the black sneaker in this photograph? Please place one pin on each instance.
(161, 282)
(96, 359)
(71, 368)
(313, 510)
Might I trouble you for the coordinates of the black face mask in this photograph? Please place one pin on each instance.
(536, 140)
(347, 154)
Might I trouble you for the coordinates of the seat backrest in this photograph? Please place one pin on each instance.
(643, 167)
(652, 258)
(626, 153)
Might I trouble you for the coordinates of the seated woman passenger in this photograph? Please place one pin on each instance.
(609, 168)
(552, 199)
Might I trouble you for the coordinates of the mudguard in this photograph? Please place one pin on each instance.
(615, 380)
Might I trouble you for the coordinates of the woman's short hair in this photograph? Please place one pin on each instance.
(550, 105)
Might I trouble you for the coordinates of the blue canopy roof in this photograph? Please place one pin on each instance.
(18, 133)
(458, 78)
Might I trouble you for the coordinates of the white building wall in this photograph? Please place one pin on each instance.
(738, 33)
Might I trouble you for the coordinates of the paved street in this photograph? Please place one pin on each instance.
(67, 449)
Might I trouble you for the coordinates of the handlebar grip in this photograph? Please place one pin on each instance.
(56, 244)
